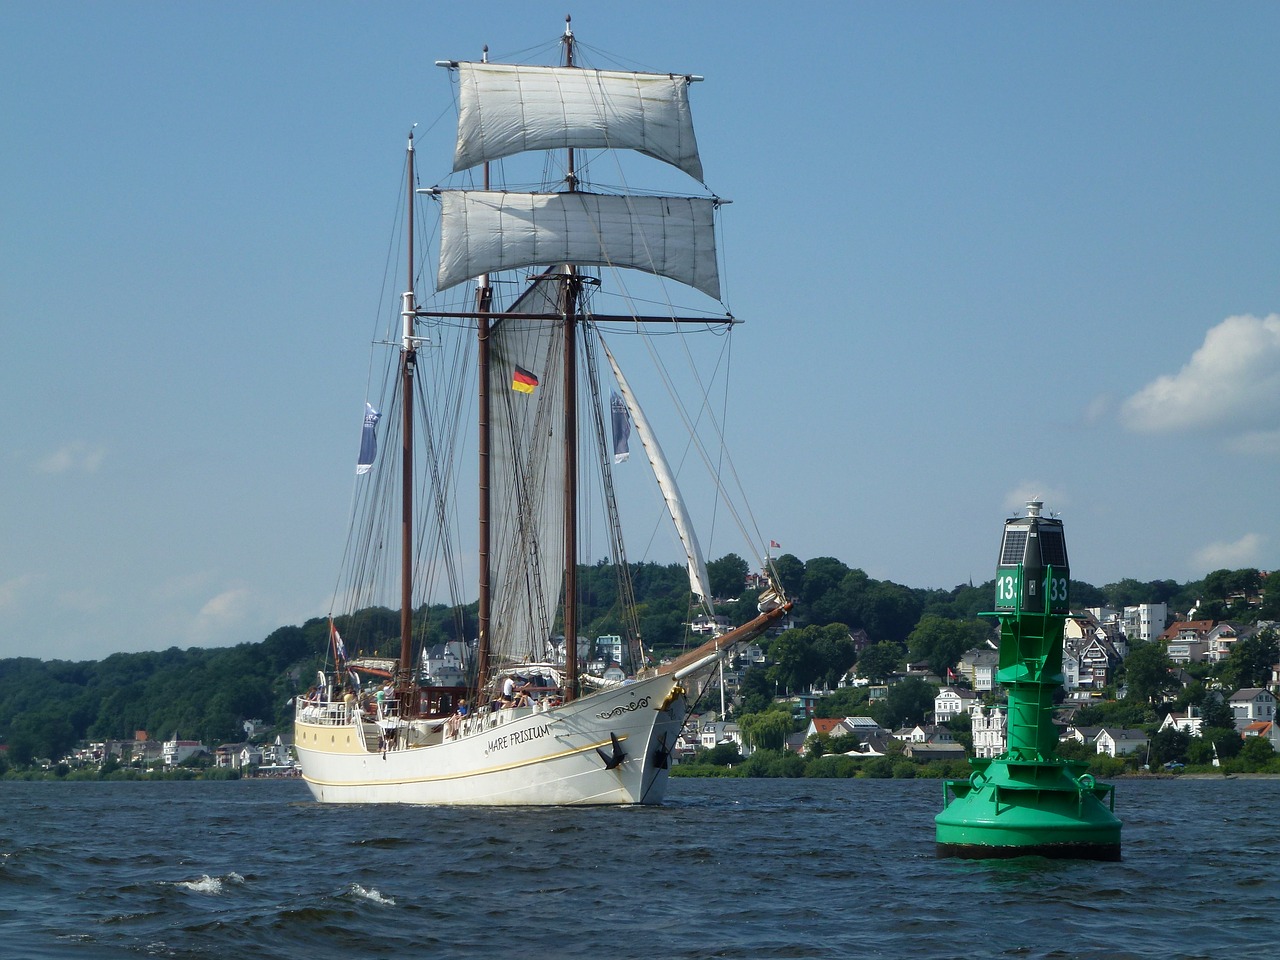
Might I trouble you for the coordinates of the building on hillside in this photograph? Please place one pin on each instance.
(715, 733)
(989, 726)
(1188, 722)
(924, 733)
(704, 625)
(1260, 728)
(1251, 705)
(1186, 651)
(1185, 640)
(1120, 742)
(953, 702)
(1145, 621)
(865, 728)
(830, 727)
(933, 751)
(979, 665)
(1090, 647)
(1103, 614)
(277, 753)
(176, 751)
(1086, 735)
(443, 663)
(1221, 639)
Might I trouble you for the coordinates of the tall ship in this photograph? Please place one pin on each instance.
(520, 345)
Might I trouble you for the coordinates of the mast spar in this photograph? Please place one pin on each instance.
(408, 360)
(570, 285)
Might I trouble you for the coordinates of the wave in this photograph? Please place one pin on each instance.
(373, 896)
(210, 885)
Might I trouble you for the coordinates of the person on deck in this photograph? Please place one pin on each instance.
(455, 721)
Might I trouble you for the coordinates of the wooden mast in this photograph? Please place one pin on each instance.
(484, 303)
(408, 359)
(569, 307)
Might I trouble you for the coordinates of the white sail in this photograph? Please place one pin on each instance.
(484, 231)
(527, 508)
(697, 566)
(504, 109)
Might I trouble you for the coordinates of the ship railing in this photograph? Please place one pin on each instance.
(332, 713)
(487, 718)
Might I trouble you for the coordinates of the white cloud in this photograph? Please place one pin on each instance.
(77, 456)
(228, 605)
(1052, 498)
(1231, 383)
(1230, 556)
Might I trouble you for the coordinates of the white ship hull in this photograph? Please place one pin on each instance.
(517, 756)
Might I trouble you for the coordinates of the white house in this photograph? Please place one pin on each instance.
(1221, 639)
(980, 665)
(1119, 742)
(989, 726)
(443, 663)
(953, 702)
(1189, 722)
(1251, 705)
(1145, 622)
(175, 751)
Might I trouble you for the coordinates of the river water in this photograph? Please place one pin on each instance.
(727, 868)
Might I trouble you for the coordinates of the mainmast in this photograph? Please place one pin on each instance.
(408, 360)
(484, 303)
(569, 306)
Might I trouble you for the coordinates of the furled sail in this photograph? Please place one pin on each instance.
(526, 505)
(485, 231)
(699, 582)
(505, 109)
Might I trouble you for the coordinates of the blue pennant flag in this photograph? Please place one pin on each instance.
(368, 440)
(621, 428)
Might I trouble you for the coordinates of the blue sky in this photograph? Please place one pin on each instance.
(984, 251)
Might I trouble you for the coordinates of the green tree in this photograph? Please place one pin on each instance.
(878, 661)
(768, 730)
(821, 576)
(907, 703)
(721, 755)
(817, 745)
(790, 570)
(728, 576)
(889, 610)
(795, 660)
(1257, 752)
(941, 642)
(1250, 661)
(756, 691)
(843, 743)
(1169, 745)
(1214, 712)
(845, 702)
(834, 653)
(1148, 673)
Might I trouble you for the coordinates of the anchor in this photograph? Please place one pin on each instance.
(662, 755)
(612, 762)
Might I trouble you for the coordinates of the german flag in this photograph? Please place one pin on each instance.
(523, 380)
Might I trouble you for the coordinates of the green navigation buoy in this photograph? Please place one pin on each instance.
(1029, 801)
